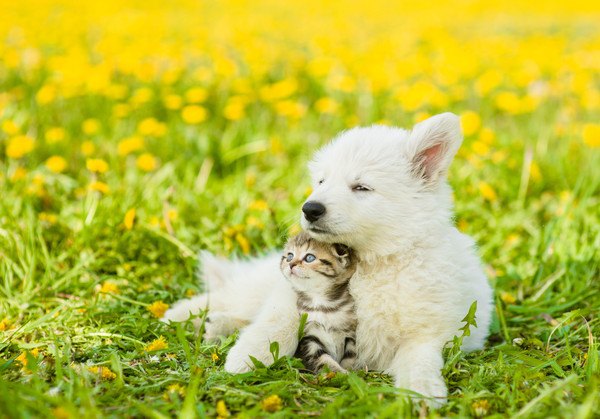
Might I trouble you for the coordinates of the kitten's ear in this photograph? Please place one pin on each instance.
(431, 146)
(341, 250)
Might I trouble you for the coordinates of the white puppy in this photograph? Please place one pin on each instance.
(383, 192)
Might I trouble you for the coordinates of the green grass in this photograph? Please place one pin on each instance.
(539, 239)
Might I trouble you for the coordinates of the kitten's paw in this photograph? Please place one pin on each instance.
(183, 309)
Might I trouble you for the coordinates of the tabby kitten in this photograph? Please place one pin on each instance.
(319, 274)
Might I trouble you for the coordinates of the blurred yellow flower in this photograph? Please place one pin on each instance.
(157, 345)
(290, 109)
(279, 90)
(470, 122)
(487, 191)
(19, 146)
(129, 219)
(146, 162)
(259, 205)
(272, 403)
(98, 186)
(22, 358)
(221, 409)
(173, 102)
(235, 108)
(243, 242)
(487, 136)
(56, 164)
(90, 126)
(175, 389)
(18, 174)
(108, 287)
(10, 127)
(214, 357)
(326, 105)
(151, 127)
(46, 94)
(103, 372)
(591, 135)
(88, 148)
(196, 95)
(129, 145)
(96, 165)
(55, 135)
(193, 114)
(4, 325)
(158, 308)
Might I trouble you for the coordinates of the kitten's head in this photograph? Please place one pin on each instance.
(313, 266)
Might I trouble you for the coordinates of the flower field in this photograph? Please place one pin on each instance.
(135, 134)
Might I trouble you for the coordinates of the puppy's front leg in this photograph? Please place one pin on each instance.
(417, 367)
(278, 321)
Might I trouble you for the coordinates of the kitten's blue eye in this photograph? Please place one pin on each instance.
(310, 258)
(289, 257)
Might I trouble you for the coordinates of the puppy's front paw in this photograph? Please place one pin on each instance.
(237, 362)
(433, 388)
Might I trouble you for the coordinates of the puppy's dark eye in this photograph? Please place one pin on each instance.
(321, 181)
(310, 258)
(361, 188)
(289, 257)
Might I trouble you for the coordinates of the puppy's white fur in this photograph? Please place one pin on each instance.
(417, 275)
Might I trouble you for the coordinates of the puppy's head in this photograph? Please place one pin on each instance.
(375, 188)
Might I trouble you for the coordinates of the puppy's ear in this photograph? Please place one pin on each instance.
(431, 146)
(341, 250)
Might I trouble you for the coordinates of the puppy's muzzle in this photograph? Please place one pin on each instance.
(313, 210)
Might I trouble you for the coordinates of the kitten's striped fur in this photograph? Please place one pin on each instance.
(322, 289)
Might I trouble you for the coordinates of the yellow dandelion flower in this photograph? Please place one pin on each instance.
(61, 413)
(272, 403)
(254, 222)
(157, 345)
(55, 135)
(129, 219)
(18, 174)
(96, 165)
(19, 146)
(46, 94)
(535, 172)
(214, 357)
(196, 95)
(48, 218)
(487, 191)
(172, 214)
(290, 109)
(480, 407)
(173, 102)
(279, 90)
(88, 148)
(151, 127)
(487, 135)
(158, 308)
(234, 110)
(480, 148)
(56, 164)
(470, 122)
(193, 114)
(108, 287)
(4, 324)
(10, 127)
(174, 389)
(129, 145)
(326, 105)
(22, 358)
(507, 297)
(222, 409)
(103, 372)
(591, 135)
(508, 102)
(258, 205)
(243, 242)
(146, 162)
(121, 110)
(90, 126)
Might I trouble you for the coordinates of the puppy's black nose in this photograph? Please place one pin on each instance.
(313, 210)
